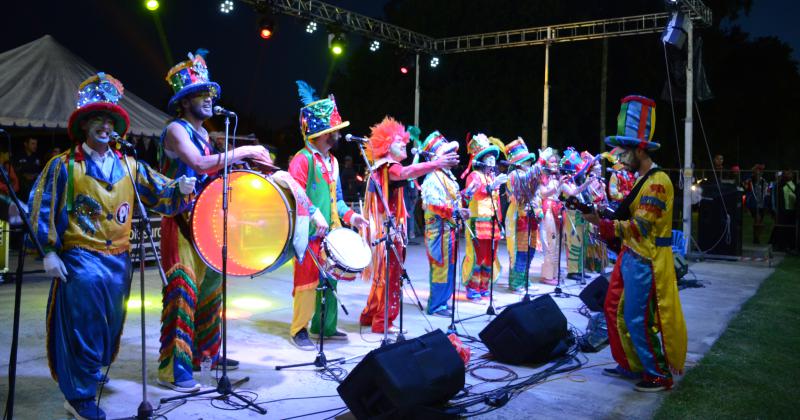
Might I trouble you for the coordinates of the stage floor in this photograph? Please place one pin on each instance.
(259, 316)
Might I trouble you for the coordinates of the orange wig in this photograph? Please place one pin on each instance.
(382, 135)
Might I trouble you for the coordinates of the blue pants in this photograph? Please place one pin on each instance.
(85, 316)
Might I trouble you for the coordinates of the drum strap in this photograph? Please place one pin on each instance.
(183, 226)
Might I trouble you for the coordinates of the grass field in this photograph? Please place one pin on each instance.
(753, 370)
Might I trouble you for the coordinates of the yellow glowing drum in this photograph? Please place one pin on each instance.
(260, 224)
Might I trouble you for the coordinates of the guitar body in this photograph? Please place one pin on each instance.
(573, 203)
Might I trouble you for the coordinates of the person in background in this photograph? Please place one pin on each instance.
(5, 160)
(756, 200)
(347, 174)
(28, 166)
(55, 151)
(784, 236)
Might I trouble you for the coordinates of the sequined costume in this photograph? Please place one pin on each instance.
(85, 217)
(479, 265)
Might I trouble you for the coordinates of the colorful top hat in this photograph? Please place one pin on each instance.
(189, 77)
(571, 161)
(317, 116)
(479, 146)
(587, 162)
(437, 144)
(635, 124)
(517, 152)
(99, 93)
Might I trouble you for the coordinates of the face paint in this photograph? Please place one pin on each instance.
(489, 161)
(398, 150)
(99, 129)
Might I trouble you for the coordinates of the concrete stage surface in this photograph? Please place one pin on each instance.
(260, 311)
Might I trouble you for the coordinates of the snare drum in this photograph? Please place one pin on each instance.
(346, 254)
(260, 224)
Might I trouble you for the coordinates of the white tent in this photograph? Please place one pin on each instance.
(39, 83)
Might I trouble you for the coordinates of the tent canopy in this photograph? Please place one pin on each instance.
(39, 85)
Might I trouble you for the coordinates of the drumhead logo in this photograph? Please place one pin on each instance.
(123, 211)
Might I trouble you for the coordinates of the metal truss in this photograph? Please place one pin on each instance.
(348, 21)
(371, 28)
(582, 31)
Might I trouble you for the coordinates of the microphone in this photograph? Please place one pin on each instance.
(415, 151)
(218, 110)
(121, 142)
(352, 138)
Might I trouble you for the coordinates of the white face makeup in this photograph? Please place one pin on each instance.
(552, 164)
(398, 150)
(490, 161)
(99, 129)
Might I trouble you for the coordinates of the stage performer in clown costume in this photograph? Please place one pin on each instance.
(81, 208)
(574, 225)
(621, 181)
(482, 192)
(520, 237)
(646, 329)
(317, 171)
(547, 210)
(441, 201)
(190, 321)
(385, 150)
(594, 191)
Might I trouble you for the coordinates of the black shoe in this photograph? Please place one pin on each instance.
(654, 386)
(302, 342)
(85, 409)
(619, 372)
(575, 276)
(339, 335)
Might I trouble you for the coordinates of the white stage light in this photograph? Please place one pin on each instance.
(434, 62)
(374, 46)
(226, 6)
(311, 27)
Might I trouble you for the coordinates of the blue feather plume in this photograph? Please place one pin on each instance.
(201, 52)
(306, 92)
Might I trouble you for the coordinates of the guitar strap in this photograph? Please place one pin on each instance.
(623, 212)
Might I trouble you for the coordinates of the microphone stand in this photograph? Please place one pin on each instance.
(224, 387)
(12, 358)
(529, 253)
(389, 245)
(145, 410)
(321, 361)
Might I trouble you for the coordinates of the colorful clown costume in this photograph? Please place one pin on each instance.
(440, 198)
(646, 329)
(479, 265)
(320, 179)
(85, 217)
(548, 210)
(522, 228)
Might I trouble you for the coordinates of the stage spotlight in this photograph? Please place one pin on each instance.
(266, 27)
(407, 62)
(151, 5)
(226, 6)
(374, 46)
(404, 69)
(311, 27)
(434, 62)
(336, 43)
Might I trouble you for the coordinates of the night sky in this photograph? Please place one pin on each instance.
(257, 76)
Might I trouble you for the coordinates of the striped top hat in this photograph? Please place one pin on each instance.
(517, 152)
(437, 144)
(98, 93)
(571, 161)
(636, 123)
(189, 77)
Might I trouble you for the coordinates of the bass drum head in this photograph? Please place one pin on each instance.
(260, 224)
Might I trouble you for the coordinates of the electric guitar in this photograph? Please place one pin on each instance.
(573, 203)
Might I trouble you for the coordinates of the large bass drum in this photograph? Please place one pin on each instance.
(261, 217)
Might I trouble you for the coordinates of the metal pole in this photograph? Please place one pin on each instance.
(416, 93)
(687, 143)
(546, 106)
(603, 97)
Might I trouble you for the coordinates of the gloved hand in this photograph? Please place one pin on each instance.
(54, 267)
(186, 184)
(320, 223)
(500, 180)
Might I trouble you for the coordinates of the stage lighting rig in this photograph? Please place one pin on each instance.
(336, 43)
(266, 27)
(151, 5)
(311, 27)
(226, 6)
(374, 45)
(434, 62)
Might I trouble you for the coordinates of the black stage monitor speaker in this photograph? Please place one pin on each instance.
(392, 380)
(719, 232)
(526, 331)
(594, 295)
